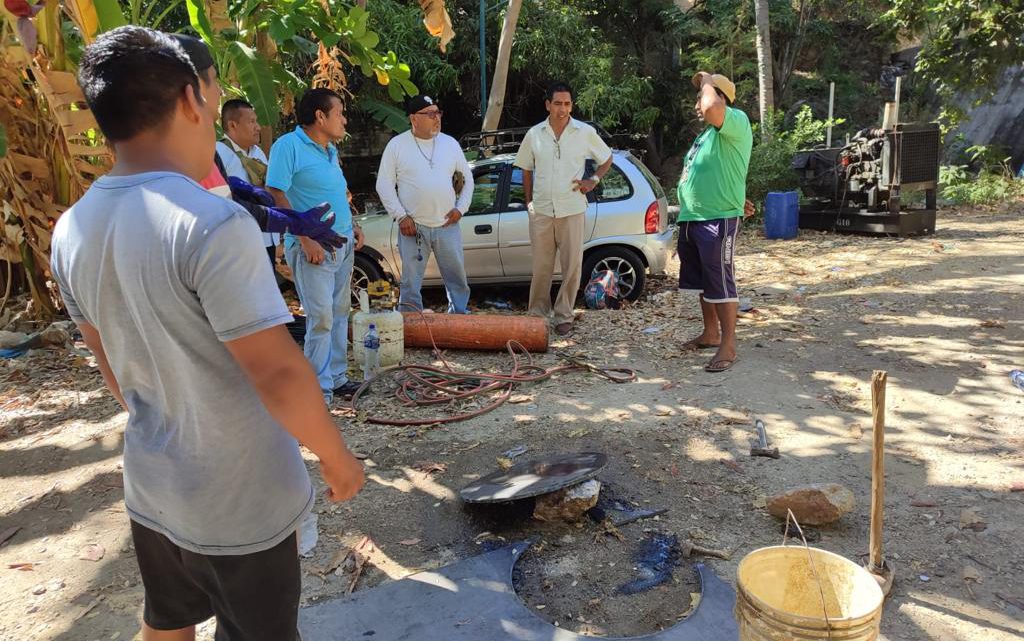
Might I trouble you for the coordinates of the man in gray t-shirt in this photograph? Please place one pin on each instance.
(173, 294)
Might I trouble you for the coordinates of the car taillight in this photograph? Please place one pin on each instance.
(652, 219)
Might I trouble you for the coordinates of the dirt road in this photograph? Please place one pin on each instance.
(943, 315)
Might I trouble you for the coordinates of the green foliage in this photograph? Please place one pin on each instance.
(256, 77)
(296, 27)
(969, 43)
(385, 113)
(166, 15)
(960, 186)
(199, 20)
(108, 12)
(993, 159)
(400, 26)
(770, 162)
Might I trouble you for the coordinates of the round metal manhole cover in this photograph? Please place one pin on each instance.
(533, 478)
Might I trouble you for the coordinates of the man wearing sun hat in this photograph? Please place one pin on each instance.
(712, 194)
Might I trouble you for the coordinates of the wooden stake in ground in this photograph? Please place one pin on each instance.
(877, 565)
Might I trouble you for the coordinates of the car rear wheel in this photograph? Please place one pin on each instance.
(624, 262)
(365, 270)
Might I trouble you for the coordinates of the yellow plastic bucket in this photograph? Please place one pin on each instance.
(781, 596)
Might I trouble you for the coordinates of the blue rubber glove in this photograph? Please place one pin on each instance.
(311, 223)
(241, 190)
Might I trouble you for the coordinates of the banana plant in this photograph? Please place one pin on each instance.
(301, 31)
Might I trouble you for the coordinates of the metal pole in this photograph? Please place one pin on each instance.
(831, 104)
(896, 116)
(483, 57)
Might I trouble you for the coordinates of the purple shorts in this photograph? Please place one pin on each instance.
(706, 258)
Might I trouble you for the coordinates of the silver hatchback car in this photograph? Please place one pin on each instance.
(627, 230)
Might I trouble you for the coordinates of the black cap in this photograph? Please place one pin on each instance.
(418, 103)
(196, 50)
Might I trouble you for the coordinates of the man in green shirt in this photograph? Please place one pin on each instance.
(712, 192)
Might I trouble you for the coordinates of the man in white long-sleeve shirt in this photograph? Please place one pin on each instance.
(416, 187)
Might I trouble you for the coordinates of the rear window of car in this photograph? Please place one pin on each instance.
(614, 186)
(655, 184)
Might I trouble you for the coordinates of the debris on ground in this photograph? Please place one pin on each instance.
(654, 562)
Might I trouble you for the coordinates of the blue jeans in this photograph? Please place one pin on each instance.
(326, 296)
(446, 244)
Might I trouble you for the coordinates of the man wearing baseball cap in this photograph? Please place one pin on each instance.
(712, 194)
(415, 184)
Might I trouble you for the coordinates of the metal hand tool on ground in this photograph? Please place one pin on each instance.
(762, 448)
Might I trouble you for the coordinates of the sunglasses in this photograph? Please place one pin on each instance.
(430, 114)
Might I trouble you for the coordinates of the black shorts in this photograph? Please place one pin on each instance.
(706, 258)
(255, 597)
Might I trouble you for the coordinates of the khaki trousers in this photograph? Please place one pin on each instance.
(549, 235)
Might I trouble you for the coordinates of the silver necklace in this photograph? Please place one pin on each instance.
(433, 145)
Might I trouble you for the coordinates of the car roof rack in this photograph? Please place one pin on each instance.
(502, 141)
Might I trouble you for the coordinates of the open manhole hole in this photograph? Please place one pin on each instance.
(575, 582)
(580, 577)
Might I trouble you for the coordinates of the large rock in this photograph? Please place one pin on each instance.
(56, 335)
(569, 504)
(817, 504)
(997, 121)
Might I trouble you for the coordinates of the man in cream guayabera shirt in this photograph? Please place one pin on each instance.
(240, 153)
(553, 156)
(415, 185)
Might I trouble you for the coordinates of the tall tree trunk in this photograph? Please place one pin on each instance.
(765, 95)
(496, 101)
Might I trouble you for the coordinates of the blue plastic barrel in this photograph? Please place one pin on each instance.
(781, 214)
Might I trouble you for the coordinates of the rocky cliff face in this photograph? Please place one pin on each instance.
(1000, 121)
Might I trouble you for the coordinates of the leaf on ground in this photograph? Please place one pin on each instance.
(993, 323)
(429, 467)
(23, 567)
(971, 573)
(732, 465)
(503, 462)
(92, 552)
(337, 559)
(971, 520)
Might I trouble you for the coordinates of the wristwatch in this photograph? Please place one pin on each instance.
(595, 178)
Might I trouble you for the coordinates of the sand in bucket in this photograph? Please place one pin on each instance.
(781, 595)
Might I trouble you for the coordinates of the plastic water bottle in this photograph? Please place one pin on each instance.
(371, 352)
(1017, 377)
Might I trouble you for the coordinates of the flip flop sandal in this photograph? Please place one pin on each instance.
(721, 368)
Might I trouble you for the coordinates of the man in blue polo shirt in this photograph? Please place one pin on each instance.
(304, 169)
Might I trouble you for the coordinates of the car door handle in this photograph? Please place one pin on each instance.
(483, 229)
